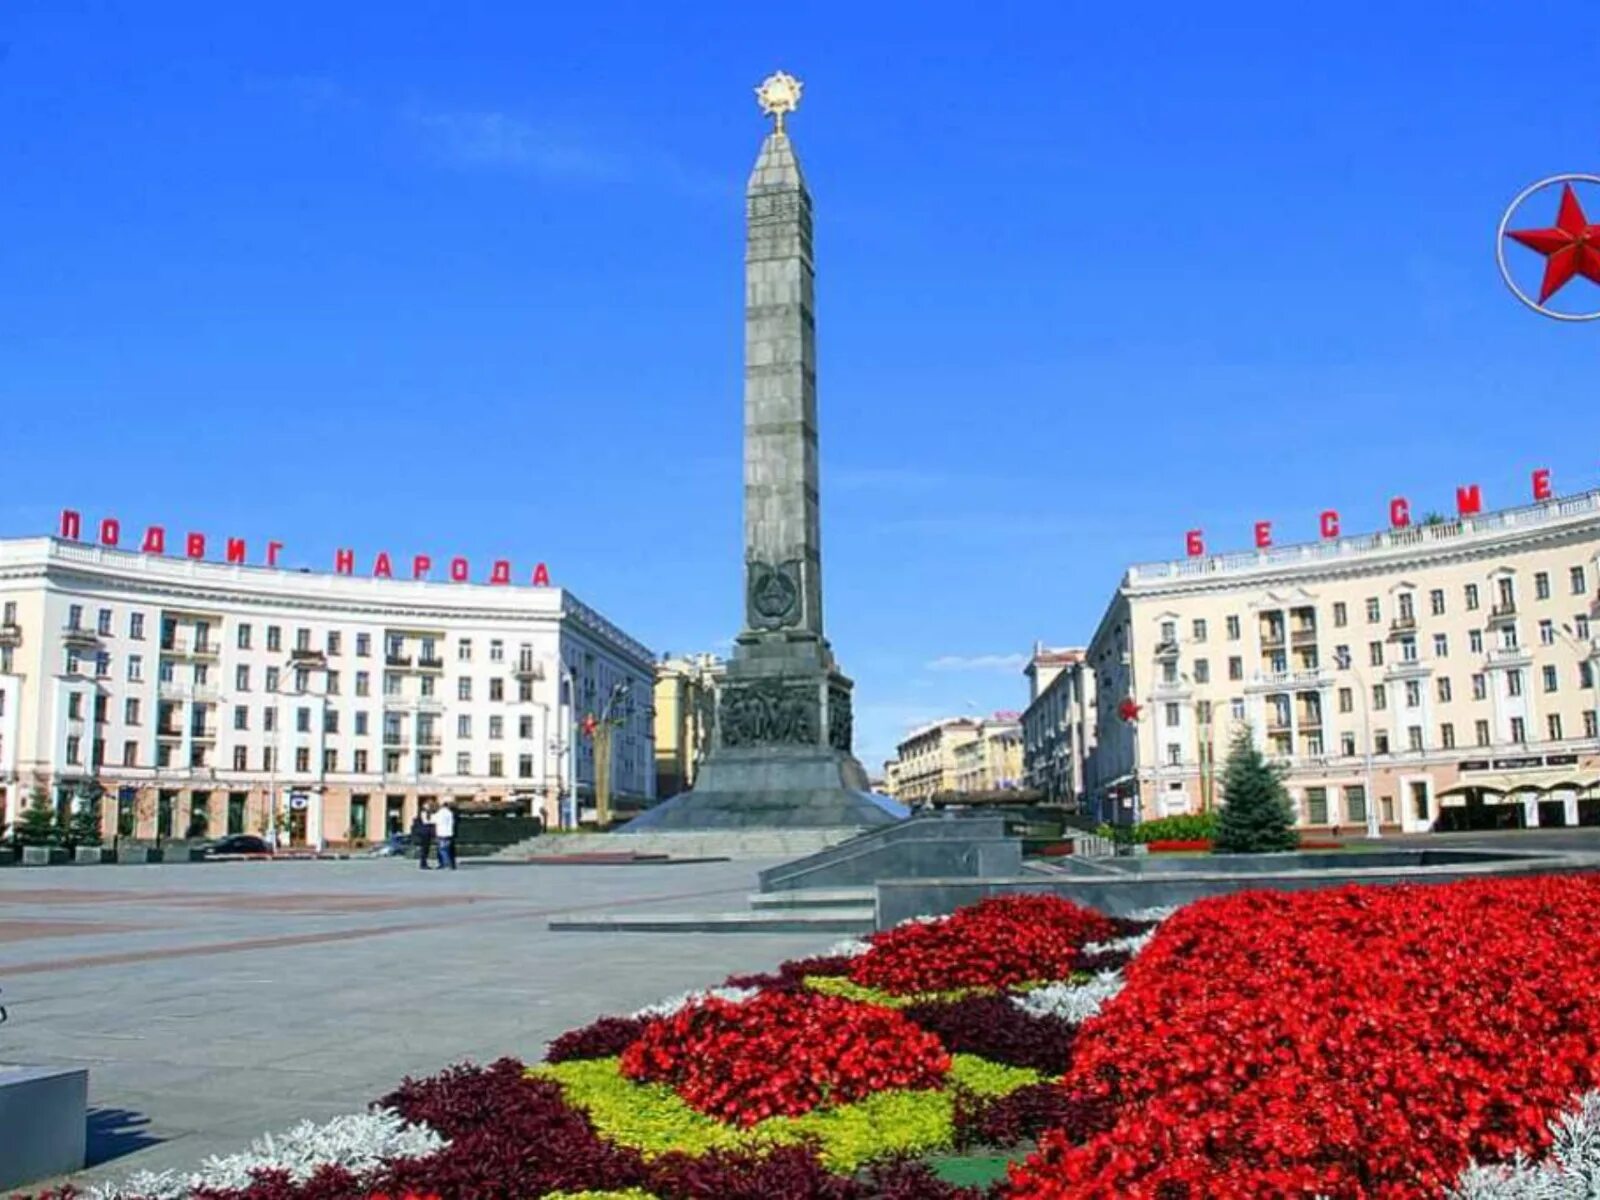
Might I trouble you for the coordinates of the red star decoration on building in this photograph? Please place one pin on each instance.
(1571, 248)
(1128, 710)
(589, 725)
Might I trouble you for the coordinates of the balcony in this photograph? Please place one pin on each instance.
(430, 741)
(79, 635)
(1402, 627)
(199, 693)
(1167, 649)
(312, 660)
(397, 660)
(10, 634)
(1510, 656)
(1280, 681)
(528, 668)
(430, 664)
(1506, 610)
(169, 731)
(203, 733)
(1304, 637)
(1272, 637)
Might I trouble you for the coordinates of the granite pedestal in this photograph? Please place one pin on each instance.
(43, 1123)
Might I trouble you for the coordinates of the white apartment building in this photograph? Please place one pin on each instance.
(1058, 724)
(199, 698)
(1426, 677)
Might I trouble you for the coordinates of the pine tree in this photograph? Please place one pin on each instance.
(38, 825)
(83, 828)
(1256, 814)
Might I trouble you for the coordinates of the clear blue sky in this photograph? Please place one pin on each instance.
(466, 277)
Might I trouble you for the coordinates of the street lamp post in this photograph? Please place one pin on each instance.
(1344, 662)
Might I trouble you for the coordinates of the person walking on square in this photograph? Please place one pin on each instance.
(422, 830)
(444, 827)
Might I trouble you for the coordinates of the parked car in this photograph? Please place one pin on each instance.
(238, 843)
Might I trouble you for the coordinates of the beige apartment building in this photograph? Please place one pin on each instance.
(1058, 724)
(957, 754)
(685, 704)
(1444, 675)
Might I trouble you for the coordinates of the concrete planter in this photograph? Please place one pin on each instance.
(43, 1111)
(8, 857)
(94, 854)
(43, 856)
(139, 854)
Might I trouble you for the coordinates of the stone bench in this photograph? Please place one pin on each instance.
(44, 1116)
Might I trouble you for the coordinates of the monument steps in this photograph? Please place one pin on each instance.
(814, 898)
(701, 844)
(790, 920)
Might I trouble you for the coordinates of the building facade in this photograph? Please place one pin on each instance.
(1400, 679)
(1058, 724)
(992, 761)
(189, 698)
(685, 711)
(957, 754)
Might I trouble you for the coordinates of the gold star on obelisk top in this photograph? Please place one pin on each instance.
(778, 94)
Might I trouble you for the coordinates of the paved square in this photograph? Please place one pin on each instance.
(215, 1002)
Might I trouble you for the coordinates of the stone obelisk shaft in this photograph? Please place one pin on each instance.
(783, 550)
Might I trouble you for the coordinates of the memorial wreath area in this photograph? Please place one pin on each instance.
(1393, 1042)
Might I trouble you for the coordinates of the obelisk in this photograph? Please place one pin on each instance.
(781, 746)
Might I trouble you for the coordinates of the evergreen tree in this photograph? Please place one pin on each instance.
(38, 825)
(83, 827)
(1256, 814)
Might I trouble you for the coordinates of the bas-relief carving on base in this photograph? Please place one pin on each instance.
(768, 712)
(840, 724)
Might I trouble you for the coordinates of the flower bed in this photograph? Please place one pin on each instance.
(1392, 1043)
(1179, 846)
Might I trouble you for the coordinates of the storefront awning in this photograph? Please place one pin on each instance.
(1519, 783)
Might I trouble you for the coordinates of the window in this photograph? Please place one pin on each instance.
(1169, 672)
(363, 645)
(1341, 614)
(1355, 804)
(427, 682)
(391, 683)
(1589, 726)
(103, 622)
(1475, 641)
(1552, 725)
(335, 643)
(302, 758)
(1580, 626)
(464, 650)
(333, 683)
(1414, 736)
(330, 760)
(130, 711)
(525, 727)
(1447, 736)
(1375, 653)
(135, 668)
(1374, 610)
(72, 662)
(136, 626)
(302, 638)
(1199, 629)
(1380, 742)
(102, 664)
(302, 680)
(464, 763)
(1174, 754)
(361, 724)
(525, 688)
(241, 717)
(1407, 611)
(464, 688)
(1547, 633)
(397, 646)
(75, 706)
(525, 766)
(1541, 585)
(1236, 708)
(1317, 805)
(241, 758)
(1508, 596)
(1519, 730)
(1347, 700)
(75, 616)
(1550, 682)
(241, 678)
(330, 720)
(1202, 670)
(269, 718)
(130, 754)
(242, 636)
(1233, 629)
(497, 726)
(1514, 682)
(464, 726)
(74, 749)
(1413, 693)
(360, 755)
(391, 762)
(1441, 645)
(1408, 649)
(302, 719)
(497, 689)
(497, 766)
(497, 650)
(1380, 697)
(1235, 667)
(1169, 631)
(1436, 602)
(1508, 637)
(1443, 685)
(1347, 744)
(1173, 717)
(363, 683)
(1480, 730)
(274, 639)
(1471, 592)
(1579, 584)
(1585, 675)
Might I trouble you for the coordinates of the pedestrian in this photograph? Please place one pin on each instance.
(422, 830)
(444, 827)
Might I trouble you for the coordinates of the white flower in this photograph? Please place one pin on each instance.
(1570, 1172)
(668, 1007)
(849, 948)
(1132, 944)
(922, 921)
(359, 1142)
(1072, 1002)
(1159, 913)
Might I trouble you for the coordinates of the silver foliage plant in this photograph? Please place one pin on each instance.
(1077, 1002)
(670, 1007)
(358, 1142)
(1571, 1171)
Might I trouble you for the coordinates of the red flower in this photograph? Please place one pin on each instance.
(783, 1053)
(1002, 941)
